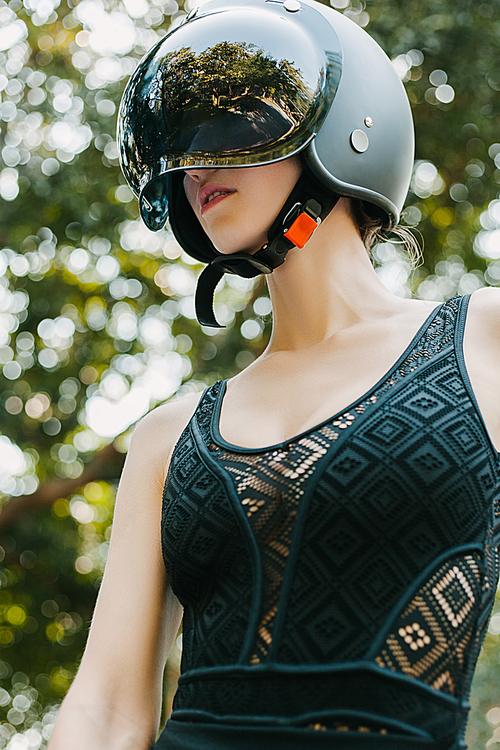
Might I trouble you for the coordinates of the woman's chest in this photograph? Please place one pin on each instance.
(405, 468)
(289, 396)
(286, 397)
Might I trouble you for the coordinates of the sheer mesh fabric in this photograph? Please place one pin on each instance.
(341, 581)
(270, 488)
(430, 638)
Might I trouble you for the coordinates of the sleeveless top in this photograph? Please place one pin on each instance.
(337, 586)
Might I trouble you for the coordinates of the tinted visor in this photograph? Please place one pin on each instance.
(239, 86)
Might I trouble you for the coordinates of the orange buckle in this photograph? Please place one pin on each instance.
(301, 230)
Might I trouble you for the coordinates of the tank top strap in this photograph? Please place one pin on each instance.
(461, 317)
(440, 331)
(205, 409)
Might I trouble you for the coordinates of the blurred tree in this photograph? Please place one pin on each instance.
(96, 312)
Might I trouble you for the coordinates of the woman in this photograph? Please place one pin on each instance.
(336, 572)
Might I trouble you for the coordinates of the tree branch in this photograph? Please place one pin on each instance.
(107, 464)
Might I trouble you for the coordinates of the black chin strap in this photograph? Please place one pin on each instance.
(306, 207)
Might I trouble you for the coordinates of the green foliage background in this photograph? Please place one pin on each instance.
(93, 306)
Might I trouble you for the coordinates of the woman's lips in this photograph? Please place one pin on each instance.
(210, 195)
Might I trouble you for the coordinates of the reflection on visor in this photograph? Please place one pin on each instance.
(233, 88)
(230, 98)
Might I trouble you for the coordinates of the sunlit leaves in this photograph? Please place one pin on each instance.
(97, 320)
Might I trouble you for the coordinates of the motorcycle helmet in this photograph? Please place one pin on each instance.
(251, 82)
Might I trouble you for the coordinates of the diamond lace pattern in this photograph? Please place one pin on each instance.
(207, 561)
(374, 537)
(430, 637)
(270, 487)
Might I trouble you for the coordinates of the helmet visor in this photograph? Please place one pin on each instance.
(236, 87)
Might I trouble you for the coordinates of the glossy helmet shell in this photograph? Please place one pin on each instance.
(250, 82)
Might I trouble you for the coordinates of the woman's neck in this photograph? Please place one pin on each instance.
(327, 286)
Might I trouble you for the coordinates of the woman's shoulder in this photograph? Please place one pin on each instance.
(155, 435)
(484, 313)
(488, 297)
(482, 330)
(170, 415)
(482, 355)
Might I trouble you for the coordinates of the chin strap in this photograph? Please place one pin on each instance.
(293, 228)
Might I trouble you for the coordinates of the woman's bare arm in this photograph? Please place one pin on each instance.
(115, 700)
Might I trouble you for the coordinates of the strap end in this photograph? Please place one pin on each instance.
(204, 298)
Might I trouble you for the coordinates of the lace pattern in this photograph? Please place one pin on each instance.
(270, 487)
(270, 484)
(430, 637)
(342, 520)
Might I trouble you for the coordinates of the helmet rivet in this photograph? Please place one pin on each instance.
(359, 141)
(292, 6)
(368, 122)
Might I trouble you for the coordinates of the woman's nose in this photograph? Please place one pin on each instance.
(199, 173)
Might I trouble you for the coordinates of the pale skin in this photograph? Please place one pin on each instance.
(336, 331)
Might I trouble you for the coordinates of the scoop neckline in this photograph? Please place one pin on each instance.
(214, 426)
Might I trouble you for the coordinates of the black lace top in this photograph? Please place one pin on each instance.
(337, 586)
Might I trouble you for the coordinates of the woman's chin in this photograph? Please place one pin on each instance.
(249, 249)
